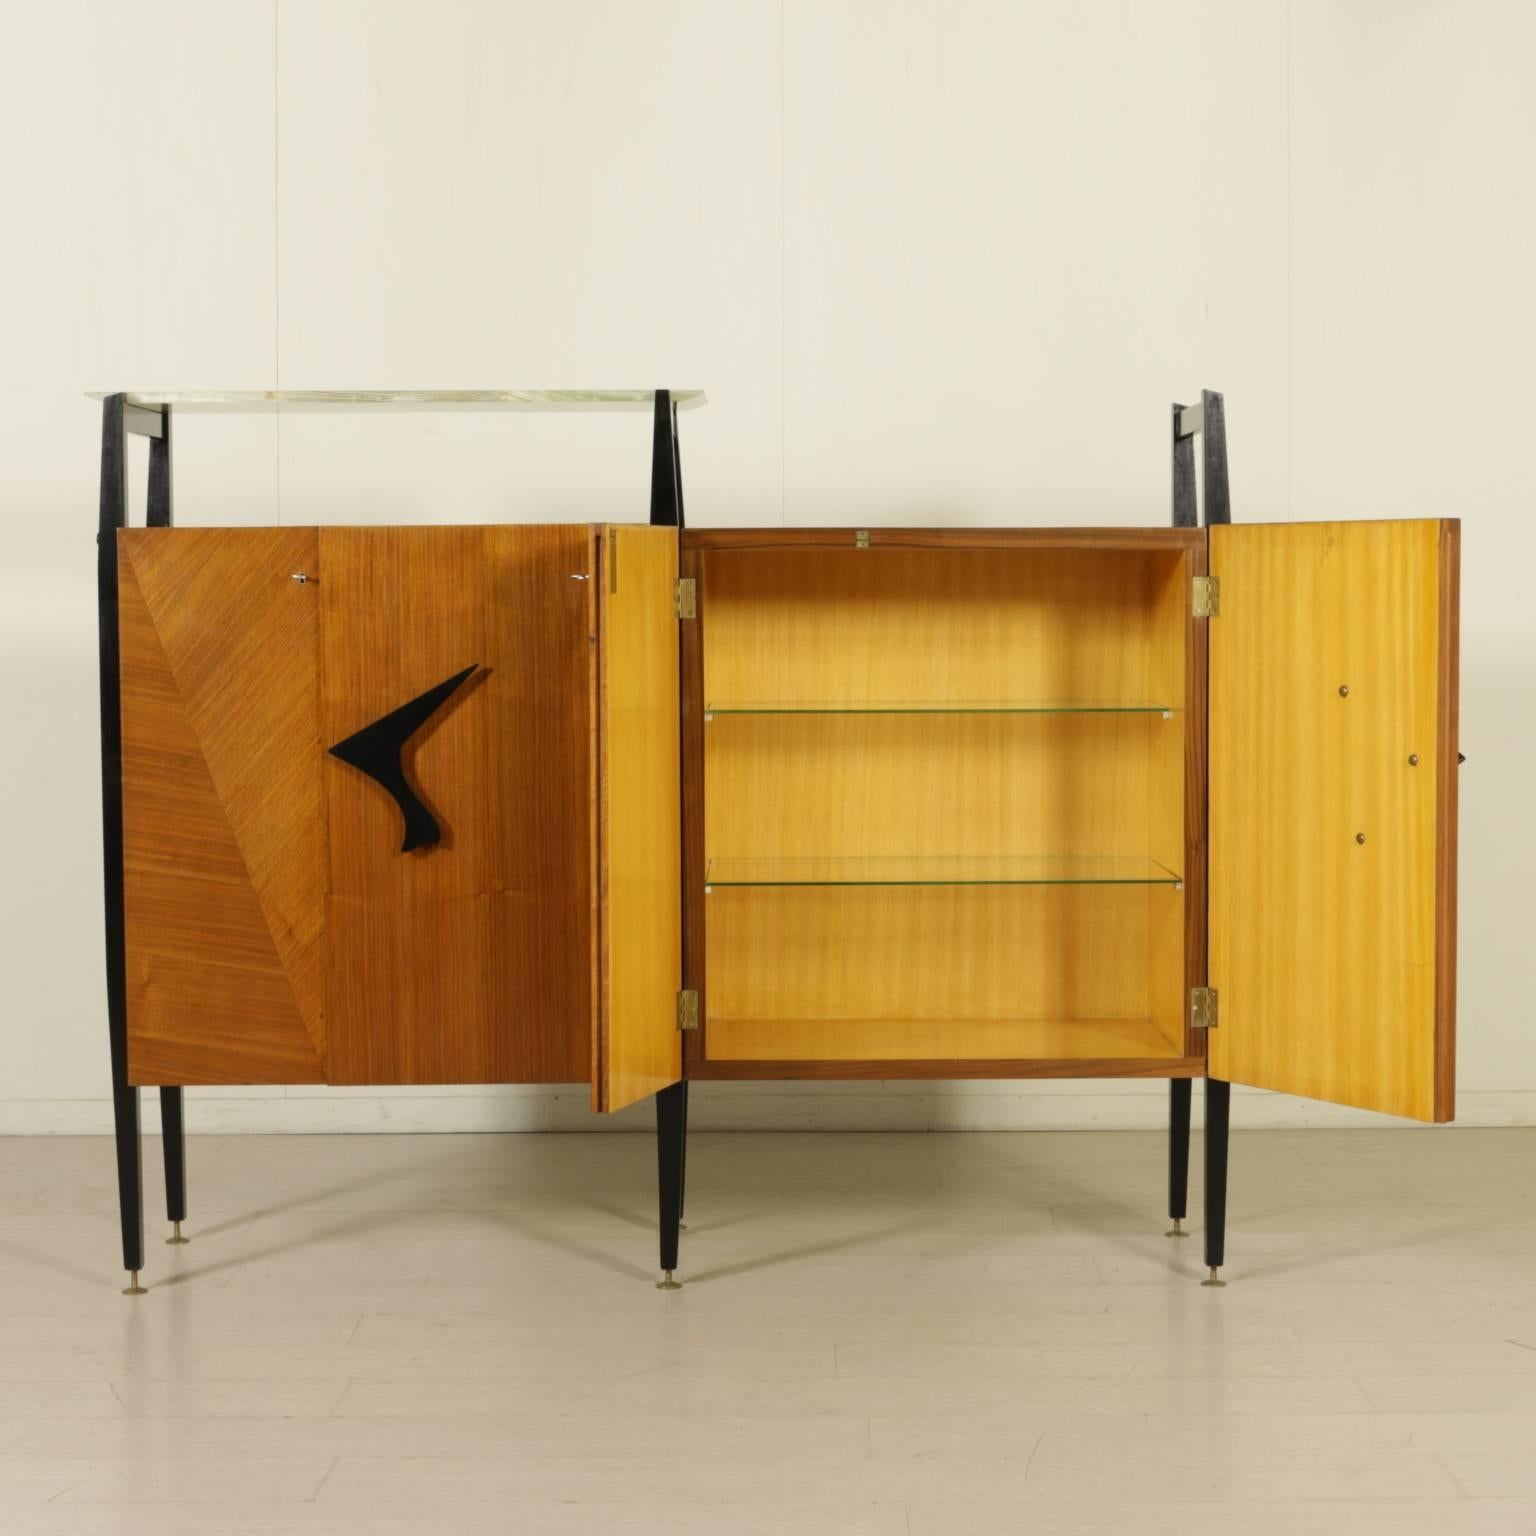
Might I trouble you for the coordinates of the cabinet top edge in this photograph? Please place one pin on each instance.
(1223, 529)
(945, 538)
(329, 530)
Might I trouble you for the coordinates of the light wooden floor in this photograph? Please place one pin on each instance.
(934, 1335)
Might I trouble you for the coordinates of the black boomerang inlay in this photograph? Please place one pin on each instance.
(376, 751)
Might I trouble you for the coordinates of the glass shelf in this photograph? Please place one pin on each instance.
(938, 707)
(1020, 869)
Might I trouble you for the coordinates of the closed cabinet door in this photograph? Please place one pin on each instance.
(458, 699)
(1333, 753)
(224, 858)
(401, 805)
(359, 796)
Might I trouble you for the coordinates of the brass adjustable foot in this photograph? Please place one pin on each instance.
(1177, 1229)
(667, 1283)
(1214, 1278)
(176, 1236)
(133, 1287)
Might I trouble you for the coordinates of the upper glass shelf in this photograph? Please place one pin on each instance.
(1018, 869)
(422, 399)
(938, 707)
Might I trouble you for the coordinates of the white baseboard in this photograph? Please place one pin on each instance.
(893, 1106)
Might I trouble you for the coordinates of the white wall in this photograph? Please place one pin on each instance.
(934, 262)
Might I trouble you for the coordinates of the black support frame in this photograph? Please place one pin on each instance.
(125, 1098)
(1180, 1092)
(1208, 422)
(119, 419)
(1218, 1114)
(666, 465)
(672, 1102)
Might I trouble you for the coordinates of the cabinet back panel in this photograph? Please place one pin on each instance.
(804, 786)
(866, 626)
(944, 971)
(803, 973)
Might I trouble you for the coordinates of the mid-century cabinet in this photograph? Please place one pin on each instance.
(641, 806)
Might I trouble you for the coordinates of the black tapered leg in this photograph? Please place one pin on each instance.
(125, 1099)
(1180, 1091)
(671, 1103)
(682, 1172)
(173, 1138)
(130, 1181)
(671, 1132)
(1218, 1101)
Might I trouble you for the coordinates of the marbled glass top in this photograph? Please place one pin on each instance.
(494, 399)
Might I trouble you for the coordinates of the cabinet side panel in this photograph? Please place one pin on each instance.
(223, 845)
(1448, 777)
(640, 1050)
(691, 649)
(1196, 812)
(1325, 754)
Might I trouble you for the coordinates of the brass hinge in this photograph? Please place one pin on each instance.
(1203, 1008)
(688, 1009)
(685, 599)
(1207, 597)
(861, 538)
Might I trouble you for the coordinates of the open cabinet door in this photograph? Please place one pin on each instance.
(638, 1049)
(1333, 699)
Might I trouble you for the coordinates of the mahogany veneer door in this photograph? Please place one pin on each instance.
(275, 931)
(1333, 706)
(474, 960)
(223, 832)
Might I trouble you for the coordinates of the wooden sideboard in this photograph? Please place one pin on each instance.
(636, 805)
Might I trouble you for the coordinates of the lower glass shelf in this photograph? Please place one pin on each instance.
(934, 1040)
(1018, 869)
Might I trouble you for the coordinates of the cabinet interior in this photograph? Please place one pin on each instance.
(944, 803)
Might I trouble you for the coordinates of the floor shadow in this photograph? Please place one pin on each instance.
(317, 1197)
(618, 1212)
(26, 1255)
(806, 1251)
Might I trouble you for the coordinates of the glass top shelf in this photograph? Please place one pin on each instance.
(938, 707)
(1018, 869)
(421, 399)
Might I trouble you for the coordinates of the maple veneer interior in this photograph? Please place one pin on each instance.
(944, 803)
